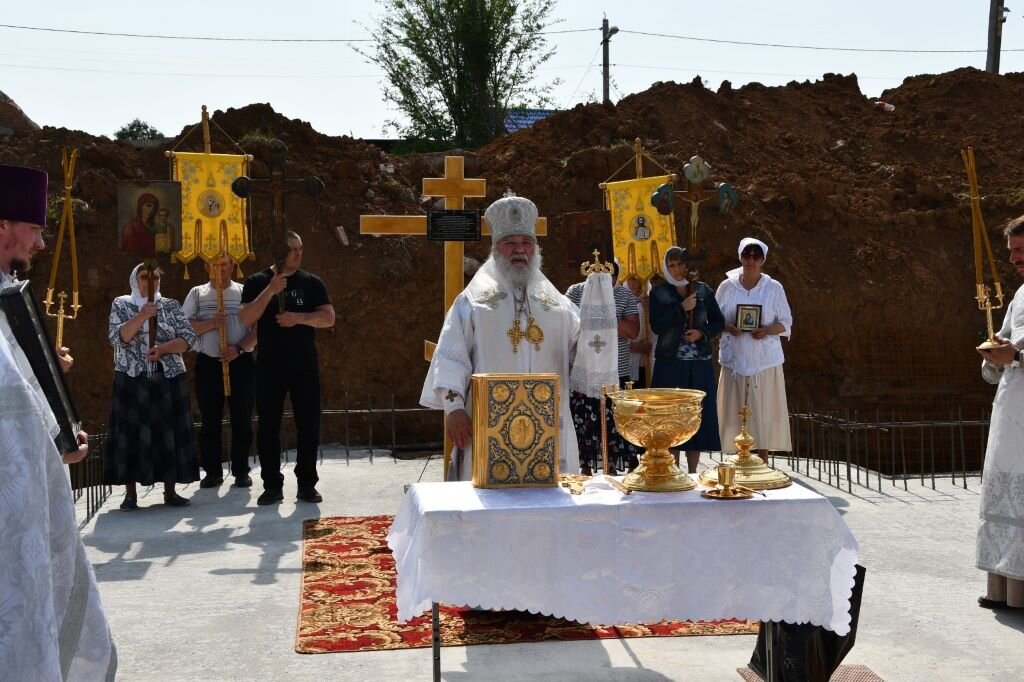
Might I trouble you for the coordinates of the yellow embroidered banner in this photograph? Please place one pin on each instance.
(640, 234)
(209, 208)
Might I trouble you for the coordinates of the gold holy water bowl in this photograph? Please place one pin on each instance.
(656, 419)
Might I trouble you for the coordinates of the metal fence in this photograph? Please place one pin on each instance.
(844, 449)
(87, 478)
(839, 448)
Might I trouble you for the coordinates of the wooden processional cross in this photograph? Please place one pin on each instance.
(454, 187)
(277, 186)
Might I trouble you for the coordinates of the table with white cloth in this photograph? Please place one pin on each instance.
(607, 558)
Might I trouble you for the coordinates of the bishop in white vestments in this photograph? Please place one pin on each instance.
(510, 318)
(1000, 549)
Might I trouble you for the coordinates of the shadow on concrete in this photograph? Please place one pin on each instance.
(547, 660)
(158, 534)
(1013, 619)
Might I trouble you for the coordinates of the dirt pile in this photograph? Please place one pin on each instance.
(864, 210)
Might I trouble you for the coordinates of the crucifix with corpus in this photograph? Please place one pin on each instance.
(696, 172)
(278, 186)
(455, 187)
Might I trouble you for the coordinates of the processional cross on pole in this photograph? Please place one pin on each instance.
(454, 187)
(278, 185)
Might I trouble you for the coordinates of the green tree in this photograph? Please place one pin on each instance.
(455, 67)
(138, 130)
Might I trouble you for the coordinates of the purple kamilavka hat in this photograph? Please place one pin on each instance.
(23, 194)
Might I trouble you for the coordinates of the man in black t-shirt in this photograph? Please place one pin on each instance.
(286, 362)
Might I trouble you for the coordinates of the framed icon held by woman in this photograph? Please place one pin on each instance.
(748, 317)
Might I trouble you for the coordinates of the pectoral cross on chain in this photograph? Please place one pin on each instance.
(516, 334)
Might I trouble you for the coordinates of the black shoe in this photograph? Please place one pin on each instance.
(211, 481)
(175, 500)
(269, 497)
(129, 504)
(243, 481)
(309, 495)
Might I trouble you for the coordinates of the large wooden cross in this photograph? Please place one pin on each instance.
(454, 187)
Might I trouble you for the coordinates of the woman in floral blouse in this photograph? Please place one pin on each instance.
(151, 437)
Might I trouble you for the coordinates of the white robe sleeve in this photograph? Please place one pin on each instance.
(452, 365)
(783, 313)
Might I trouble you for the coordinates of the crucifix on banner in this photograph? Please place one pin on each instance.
(455, 187)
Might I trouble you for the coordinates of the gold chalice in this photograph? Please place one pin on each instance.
(726, 476)
(656, 419)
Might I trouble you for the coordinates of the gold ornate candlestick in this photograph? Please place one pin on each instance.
(751, 470)
(982, 246)
(67, 222)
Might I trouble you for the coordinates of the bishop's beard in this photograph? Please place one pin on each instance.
(516, 276)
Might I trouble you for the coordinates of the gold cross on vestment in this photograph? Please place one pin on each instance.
(516, 334)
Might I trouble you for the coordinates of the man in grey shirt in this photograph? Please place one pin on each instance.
(201, 309)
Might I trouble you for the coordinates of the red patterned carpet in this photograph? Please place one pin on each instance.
(347, 602)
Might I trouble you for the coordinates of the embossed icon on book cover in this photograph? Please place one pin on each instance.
(519, 446)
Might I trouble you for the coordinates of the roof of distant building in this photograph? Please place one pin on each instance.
(520, 119)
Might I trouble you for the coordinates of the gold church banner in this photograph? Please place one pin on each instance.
(640, 235)
(208, 206)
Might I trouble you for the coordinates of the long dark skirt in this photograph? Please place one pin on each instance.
(700, 375)
(621, 453)
(151, 439)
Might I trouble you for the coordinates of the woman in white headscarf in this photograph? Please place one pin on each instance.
(752, 360)
(686, 318)
(150, 430)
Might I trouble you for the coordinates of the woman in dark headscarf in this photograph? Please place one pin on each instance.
(151, 437)
(682, 355)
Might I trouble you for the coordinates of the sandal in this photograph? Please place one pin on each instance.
(175, 500)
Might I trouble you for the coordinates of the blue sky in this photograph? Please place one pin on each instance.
(97, 83)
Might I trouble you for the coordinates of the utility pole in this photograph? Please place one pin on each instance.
(606, 34)
(996, 19)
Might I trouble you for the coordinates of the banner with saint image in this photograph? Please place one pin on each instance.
(208, 206)
(640, 235)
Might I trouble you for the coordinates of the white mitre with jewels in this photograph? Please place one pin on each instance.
(512, 216)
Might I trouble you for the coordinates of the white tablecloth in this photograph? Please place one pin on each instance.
(606, 558)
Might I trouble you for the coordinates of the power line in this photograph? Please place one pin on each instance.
(585, 72)
(699, 70)
(158, 36)
(171, 37)
(187, 75)
(803, 47)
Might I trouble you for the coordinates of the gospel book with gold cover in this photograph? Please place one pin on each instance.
(515, 430)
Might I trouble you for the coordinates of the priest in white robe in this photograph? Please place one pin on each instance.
(52, 625)
(510, 318)
(1000, 548)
